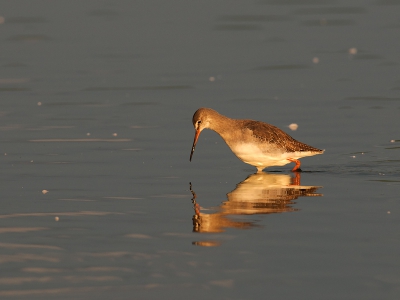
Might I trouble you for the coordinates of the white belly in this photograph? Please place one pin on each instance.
(255, 156)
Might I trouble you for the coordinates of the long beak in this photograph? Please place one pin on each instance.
(196, 136)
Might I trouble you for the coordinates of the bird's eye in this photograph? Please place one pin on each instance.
(199, 122)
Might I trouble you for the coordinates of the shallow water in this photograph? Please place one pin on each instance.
(99, 199)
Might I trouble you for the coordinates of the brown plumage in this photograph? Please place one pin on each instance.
(271, 134)
(256, 143)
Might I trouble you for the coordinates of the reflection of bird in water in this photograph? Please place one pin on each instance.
(260, 193)
(256, 143)
(266, 193)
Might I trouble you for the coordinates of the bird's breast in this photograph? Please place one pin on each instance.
(255, 154)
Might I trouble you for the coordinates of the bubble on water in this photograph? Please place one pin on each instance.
(323, 22)
(353, 51)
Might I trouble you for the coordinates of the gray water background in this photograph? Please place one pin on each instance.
(96, 101)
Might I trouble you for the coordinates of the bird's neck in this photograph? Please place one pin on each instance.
(223, 125)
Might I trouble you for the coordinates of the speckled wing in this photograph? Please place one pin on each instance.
(275, 136)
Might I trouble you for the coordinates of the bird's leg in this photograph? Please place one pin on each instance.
(259, 169)
(297, 166)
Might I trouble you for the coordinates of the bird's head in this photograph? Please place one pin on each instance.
(202, 119)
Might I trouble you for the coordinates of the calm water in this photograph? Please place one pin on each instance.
(96, 106)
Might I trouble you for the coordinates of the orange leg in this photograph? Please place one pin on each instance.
(296, 178)
(297, 166)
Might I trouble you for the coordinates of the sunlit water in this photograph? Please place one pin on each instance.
(99, 199)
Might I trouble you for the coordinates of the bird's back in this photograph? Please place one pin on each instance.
(275, 137)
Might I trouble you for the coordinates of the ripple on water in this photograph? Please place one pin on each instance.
(373, 98)
(26, 20)
(328, 22)
(330, 10)
(137, 88)
(14, 89)
(29, 38)
(283, 67)
(237, 27)
(252, 18)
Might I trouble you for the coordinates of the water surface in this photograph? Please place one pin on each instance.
(96, 106)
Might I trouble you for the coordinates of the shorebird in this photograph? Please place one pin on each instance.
(256, 143)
